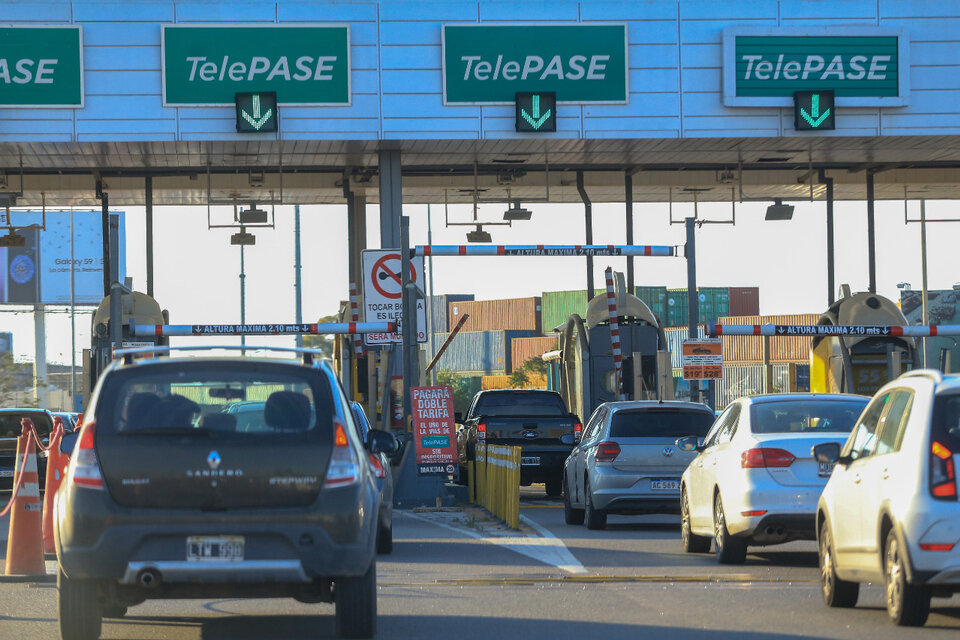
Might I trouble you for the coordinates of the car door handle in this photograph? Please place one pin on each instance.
(856, 478)
(885, 474)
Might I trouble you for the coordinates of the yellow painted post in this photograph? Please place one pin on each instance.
(514, 485)
(471, 488)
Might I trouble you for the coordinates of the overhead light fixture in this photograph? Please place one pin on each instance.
(252, 215)
(478, 235)
(243, 238)
(8, 199)
(779, 211)
(516, 212)
(13, 239)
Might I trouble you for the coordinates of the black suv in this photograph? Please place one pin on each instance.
(169, 495)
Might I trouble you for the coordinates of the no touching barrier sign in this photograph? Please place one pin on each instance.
(383, 291)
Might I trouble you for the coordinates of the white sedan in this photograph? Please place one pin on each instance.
(755, 481)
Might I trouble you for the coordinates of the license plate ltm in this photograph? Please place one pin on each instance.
(215, 548)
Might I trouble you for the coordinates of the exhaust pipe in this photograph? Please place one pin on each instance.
(780, 531)
(149, 578)
(768, 531)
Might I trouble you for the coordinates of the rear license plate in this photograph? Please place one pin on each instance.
(664, 485)
(6, 473)
(215, 548)
(824, 469)
(530, 461)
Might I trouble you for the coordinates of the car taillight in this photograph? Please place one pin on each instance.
(607, 451)
(943, 475)
(377, 467)
(937, 547)
(344, 466)
(759, 458)
(482, 431)
(577, 430)
(84, 468)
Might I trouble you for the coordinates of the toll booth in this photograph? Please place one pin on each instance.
(856, 364)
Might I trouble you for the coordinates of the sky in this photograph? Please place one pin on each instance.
(196, 269)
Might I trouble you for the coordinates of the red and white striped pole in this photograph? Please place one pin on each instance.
(355, 317)
(615, 333)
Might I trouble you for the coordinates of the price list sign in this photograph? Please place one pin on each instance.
(434, 430)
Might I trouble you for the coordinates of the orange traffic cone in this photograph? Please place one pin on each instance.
(25, 544)
(56, 466)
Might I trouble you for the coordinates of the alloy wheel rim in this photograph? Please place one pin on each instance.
(894, 576)
(684, 519)
(719, 526)
(826, 565)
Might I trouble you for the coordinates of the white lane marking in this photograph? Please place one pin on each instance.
(547, 548)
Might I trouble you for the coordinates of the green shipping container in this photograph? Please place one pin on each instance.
(557, 306)
(714, 302)
(656, 299)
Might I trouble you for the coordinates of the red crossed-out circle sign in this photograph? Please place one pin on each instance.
(386, 275)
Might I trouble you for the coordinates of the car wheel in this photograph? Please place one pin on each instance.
(384, 538)
(356, 604)
(908, 605)
(596, 518)
(692, 543)
(114, 611)
(554, 487)
(836, 592)
(570, 514)
(729, 550)
(78, 608)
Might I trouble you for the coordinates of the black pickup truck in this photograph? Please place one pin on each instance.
(536, 421)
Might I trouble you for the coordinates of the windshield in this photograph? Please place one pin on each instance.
(660, 423)
(10, 426)
(215, 399)
(811, 415)
(520, 403)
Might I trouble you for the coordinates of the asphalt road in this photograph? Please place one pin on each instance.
(454, 575)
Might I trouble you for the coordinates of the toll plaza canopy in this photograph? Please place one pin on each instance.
(295, 102)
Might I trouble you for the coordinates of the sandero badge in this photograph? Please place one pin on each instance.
(213, 460)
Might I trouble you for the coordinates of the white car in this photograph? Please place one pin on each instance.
(889, 513)
(755, 481)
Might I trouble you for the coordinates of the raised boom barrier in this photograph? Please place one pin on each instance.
(545, 250)
(346, 328)
(851, 331)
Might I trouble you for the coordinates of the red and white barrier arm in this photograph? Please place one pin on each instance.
(545, 250)
(342, 328)
(848, 331)
(615, 333)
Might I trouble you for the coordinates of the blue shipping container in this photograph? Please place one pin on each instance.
(478, 352)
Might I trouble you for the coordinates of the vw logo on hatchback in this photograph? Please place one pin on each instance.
(667, 452)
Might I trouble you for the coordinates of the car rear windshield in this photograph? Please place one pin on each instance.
(217, 400)
(946, 421)
(10, 425)
(522, 403)
(806, 416)
(660, 423)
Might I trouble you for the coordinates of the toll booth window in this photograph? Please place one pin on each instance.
(660, 424)
(805, 416)
(217, 402)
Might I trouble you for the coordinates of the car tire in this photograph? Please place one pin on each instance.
(356, 604)
(78, 608)
(836, 592)
(114, 611)
(554, 487)
(570, 514)
(596, 518)
(729, 550)
(384, 538)
(908, 605)
(692, 543)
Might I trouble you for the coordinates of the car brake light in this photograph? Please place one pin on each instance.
(577, 430)
(943, 475)
(377, 467)
(759, 458)
(482, 431)
(84, 468)
(344, 466)
(607, 451)
(750, 514)
(936, 547)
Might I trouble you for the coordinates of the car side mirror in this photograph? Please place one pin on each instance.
(68, 442)
(689, 443)
(381, 442)
(457, 416)
(828, 452)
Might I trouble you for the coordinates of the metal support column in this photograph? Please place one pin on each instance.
(924, 296)
(105, 230)
(116, 293)
(411, 357)
(693, 301)
(391, 198)
(588, 217)
(148, 195)
(40, 357)
(871, 236)
(297, 267)
(628, 199)
(831, 269)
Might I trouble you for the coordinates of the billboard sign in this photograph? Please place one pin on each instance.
(434, 430)
(41, 66)
(702, 359)
(39, 272)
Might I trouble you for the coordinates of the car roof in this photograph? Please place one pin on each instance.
(656, 404)
(779, 397)
(25, 410)
(951, 383)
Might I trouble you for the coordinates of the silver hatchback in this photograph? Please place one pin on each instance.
(627, 461)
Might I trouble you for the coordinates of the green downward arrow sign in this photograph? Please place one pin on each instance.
(257, 120)
(536, 119)
(815, 118)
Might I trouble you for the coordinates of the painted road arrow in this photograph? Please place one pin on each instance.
(536, 120)
(257, 120)
(815, 118)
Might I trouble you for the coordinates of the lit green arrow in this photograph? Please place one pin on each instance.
(815, 118)
(257, 120)
(536, 120)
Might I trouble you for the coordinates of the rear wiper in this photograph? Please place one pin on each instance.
(168, 431)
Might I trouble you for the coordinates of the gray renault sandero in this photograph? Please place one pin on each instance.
(168, 495)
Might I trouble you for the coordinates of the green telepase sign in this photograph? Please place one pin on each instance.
(206, 65)
(863, 66)
(41, 66)
(490, 64)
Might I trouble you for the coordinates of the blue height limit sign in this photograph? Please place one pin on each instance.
(536, 111)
